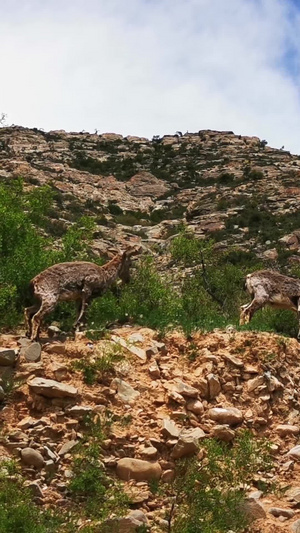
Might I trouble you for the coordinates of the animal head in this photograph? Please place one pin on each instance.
(126, 263)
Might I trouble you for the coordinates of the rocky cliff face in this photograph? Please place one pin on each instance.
(232, 187)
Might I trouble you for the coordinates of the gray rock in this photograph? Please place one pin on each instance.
(125, 392)
(35, 489)
(51, 388)
(32, 457)
(67, 447)
(188, 442)
(186, 390)
(195, 406)
(277, 511)
(223, 432)
(170, 429)
(79, 411)
(252, 509)
(32, 353)
(125, 524)
(295, 452)
(128, 468)
(214, 386)
(7, 357)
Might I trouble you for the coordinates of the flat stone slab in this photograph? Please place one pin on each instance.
(139, 352)
(32, 353)
(128, 468)
(51, 388)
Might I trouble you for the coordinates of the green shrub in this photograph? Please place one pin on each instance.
(19, 514)
(208, 496)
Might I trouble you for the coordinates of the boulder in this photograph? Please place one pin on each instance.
(7, 357)
(214, 386)
(285, 430)
(32, 353)
(295, 453)
(195, 406)
(51, 388)
(131, 523)
(231, 415)
(128, 468)
(32, 457)
(170, 429)
(252, 509)
(125, 392)
(186, 390)
(188, 442)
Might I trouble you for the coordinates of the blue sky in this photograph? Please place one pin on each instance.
(151, 67)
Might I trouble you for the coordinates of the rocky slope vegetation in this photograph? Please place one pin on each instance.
(164, 400)
(232, 187)
(98, 426)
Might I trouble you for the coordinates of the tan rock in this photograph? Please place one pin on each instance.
(231, 415)
(186, 390)
(170, 429)
(253, 509)
(128, 468)
(32, 457)
(287, 429)
(188, 442)
(223, 433)
(195, 406)
(214, 386)
(51, 388)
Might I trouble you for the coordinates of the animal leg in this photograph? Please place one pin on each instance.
(28, 314)
(46, 308)
(298, 314)
(83, 307)
(248, 311)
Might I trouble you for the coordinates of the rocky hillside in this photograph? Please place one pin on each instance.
(232, 187)
(138, 429)
(164, 400)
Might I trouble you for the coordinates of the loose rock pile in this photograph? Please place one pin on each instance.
(174, 394)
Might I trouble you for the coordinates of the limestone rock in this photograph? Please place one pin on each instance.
(67, 447)
(154, 370)
(32, 457)
(277, 511)
(131, 523)
(7, 357)
(186, 390)
(214, 386)
(287, 429)
(32, 353)
(188, 442)
(170, 429)
(231, 415)
(223, 433)
(253, 509)
(128, 468)
(295, 453)
(125, 392)
(195, 406)
(51, 388)
(149, 453)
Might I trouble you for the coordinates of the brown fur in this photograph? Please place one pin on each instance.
(268, 287)
(80, 281)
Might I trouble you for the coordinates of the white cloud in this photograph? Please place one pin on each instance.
(149, 67)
